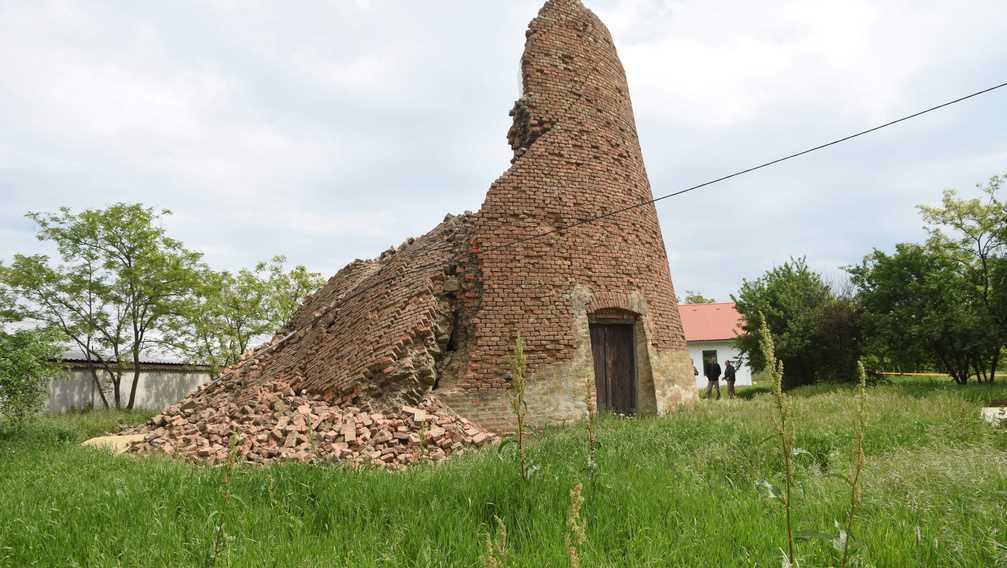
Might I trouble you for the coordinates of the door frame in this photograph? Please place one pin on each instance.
(615, 316)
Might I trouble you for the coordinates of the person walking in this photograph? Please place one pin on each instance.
(729, 377)
(713, 377)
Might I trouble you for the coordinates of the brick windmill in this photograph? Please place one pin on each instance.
(592, 299)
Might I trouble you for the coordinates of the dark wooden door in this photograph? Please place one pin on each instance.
(613, 348)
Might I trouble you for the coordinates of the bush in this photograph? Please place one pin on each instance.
(815, 328)
(26, 367)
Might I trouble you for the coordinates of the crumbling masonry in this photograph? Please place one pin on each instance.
(438, 315)
(451, 326)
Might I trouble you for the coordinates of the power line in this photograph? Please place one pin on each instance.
(833, 143)
(765, 164)
(677, 193)
(342, 301)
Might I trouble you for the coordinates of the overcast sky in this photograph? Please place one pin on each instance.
(327, 131)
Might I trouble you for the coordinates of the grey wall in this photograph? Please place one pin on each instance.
(157, 389)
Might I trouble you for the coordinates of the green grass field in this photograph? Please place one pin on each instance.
(676, 490)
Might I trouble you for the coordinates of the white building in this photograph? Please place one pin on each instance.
(709, 331)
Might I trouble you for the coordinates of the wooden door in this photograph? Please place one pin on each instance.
(613, 348)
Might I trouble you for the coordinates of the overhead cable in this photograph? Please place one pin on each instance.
(340, 302)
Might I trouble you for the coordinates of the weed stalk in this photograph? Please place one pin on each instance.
(577, 525)
(495, 547)
(232, 463)
(272, 491)
(857, 464)
(518, 405)
(784, 428)
(311, 436)
(423, 441)
(592, 465)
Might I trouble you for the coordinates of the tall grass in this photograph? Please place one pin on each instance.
(679, 490)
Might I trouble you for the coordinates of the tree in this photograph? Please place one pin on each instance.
(286, 290)
(839, 336)
(816, 332)
(225, 314)
(10, 311)
(920, 311)
(694, 298)
(229, 311)
(28, 361)
(976, 243)
(119, 279)
(944, 303)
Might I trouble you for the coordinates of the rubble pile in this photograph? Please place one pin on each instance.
(350, 375)
(281, 424)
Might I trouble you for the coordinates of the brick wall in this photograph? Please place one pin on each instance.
(576, 156)
(424, 316)
(377, 327)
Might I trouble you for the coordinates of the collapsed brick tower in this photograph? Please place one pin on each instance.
(592, 298)
(439, 314)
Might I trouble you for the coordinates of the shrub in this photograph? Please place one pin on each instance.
(26, 367)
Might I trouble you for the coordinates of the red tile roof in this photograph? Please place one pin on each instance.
(710, 322)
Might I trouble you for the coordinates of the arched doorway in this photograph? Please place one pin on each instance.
(613, 347)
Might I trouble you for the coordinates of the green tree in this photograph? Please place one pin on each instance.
(972, 235)
(816, 333)
(286, 290)
(229, 311)
(226, 313)
(694, 298)
(943, 304)
(119, 278)
(10, 311)
(920, 311)
(839, 336)
(28, 361)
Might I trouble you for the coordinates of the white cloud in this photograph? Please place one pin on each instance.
(330, 130)
(730, 63)
(379, 73)
(110, 90)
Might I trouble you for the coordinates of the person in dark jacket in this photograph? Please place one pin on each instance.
(713, 377)
(729, 377)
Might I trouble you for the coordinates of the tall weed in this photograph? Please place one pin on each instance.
(496, 547)
(519, 408)
(786, 434)
(592, 464)
(576, 525)
(232, 462)
(857, 463)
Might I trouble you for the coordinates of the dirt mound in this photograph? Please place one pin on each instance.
(281, 424)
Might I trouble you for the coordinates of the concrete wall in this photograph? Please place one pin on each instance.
(158, 388)
(725, 350)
